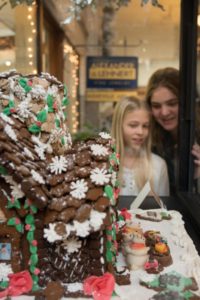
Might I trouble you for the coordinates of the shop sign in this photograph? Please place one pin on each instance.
(118, 73)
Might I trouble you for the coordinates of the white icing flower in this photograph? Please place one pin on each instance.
(79, 188)
(5, 270)
(96, 219)
(72, 245)
(6, 119)
(100, 176)
(105, 135)
(58, 165)
(50, 234)
(23, 109)
(28, 153)
(37, 177)
(82, 229)
(114, 178)
(99, 150)
(10, 132)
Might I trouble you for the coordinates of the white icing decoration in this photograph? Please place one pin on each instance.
(6, 119)
(16, 191)
(79, 188)
(58, 165)
(74, 287)
(72, 245)
(40, 147)
(105, 135)
(50, 234)
(38, 91)
(53, 90)
(19, 91)
(99, 150)
(37, 177)
(28, 153)
(96, 219)
(10, 132)
(23, 109)
(82, 229)
(5, 270)
(100, 176)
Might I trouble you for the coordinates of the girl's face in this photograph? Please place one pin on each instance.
(135, 128)
(165, 106)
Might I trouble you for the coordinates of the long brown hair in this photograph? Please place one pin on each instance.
(170, 79)
(126, 105)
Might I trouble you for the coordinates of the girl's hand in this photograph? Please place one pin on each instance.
(196, 152)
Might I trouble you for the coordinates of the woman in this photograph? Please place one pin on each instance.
(162, 95)
(130, 129)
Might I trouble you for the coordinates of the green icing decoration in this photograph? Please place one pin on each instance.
(65, 101)
(109, 256)
(34, 259)
(109, 191)
(42, 116)
(34, 128)
(188, 295)
(33, 249)
(20, 228)
(24, 83)
(35, 278)
(33, 209)
(108, 244)
(11, 221)
(62, 141)
(6, 111)
(3, 171)
(14, 203)
(30, 236)
(29, 219)
(57, 121)
(4, 284)
(50, 102)
(65, 90)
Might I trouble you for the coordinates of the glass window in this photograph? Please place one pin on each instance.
(18, 39)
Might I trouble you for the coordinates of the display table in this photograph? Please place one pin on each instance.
(184, 255)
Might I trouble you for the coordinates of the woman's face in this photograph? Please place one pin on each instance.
(135, 128)
(165, 106)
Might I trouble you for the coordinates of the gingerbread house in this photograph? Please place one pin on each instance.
(58, 198)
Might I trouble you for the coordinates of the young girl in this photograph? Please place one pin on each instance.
(130, 129)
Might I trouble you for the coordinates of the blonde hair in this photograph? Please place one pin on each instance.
(126, 105)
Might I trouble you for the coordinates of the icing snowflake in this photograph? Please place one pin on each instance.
(37, 177)
(41, 148)
(79, 188)
(105, 135)
(28, 153)
(38, 91)
(72, 245)
(53, 90)
(5, 270)
(19, 92)
(96, 219)
(6, 119)
(23, 109)
(58, 165)
(114, 178)
(100, 176)
(50, 234)
(10, 132)
(82, 229)
(16, 191)
(99, 150)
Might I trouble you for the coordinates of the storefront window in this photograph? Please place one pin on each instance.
(18, 38)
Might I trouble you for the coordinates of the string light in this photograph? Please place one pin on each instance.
(74, 60)
(31, 25)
